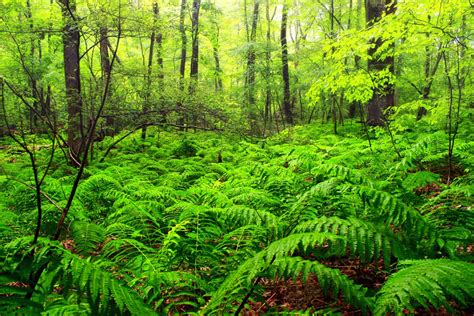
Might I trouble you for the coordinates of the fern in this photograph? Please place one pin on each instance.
(331, 280)
(361, 237)
(87, 236)
(240, 279)
(426, 283)
(76, 275)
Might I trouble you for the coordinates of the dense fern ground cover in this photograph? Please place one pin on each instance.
(166, 227)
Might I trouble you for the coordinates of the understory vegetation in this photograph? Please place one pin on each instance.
(215, 223)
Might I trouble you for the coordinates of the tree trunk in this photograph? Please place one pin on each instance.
(110, 123)
(429, 71)
(194, 67)
(385, 97)
(218, 70)
(146, 100)
(159, 60)
(268, 62)
(332, 35)
(194, 72)
(182, 66)
(250, 75)
(71, 42)
(285, 69)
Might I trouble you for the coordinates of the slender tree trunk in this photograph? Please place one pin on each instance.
(268, 60)
(159, 61)
(104, 54)
(332, 35)
(182, 66)
(285, 69)
(105, 66)
(430, 70)
(296, 98)
(382, 98)
(251, 73)
(194, 67)
(146, 100)
(194, 71)
(218, 70)
(217, 63)
(71, 42)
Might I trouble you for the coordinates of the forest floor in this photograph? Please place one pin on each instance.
(181, 213)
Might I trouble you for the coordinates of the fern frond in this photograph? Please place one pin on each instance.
(330, 280)
(426, 283)
(102, 286)
(235, 285)
(302, 241)
(360, 237)
(239, 215)
(87, 236)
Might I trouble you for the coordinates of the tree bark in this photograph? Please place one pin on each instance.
(110, 123)
(218, 70)
(285, 69)
(182, 66)
(194, 72)
(146, 100)
(250, 75)
(268, 61)
(382, 97)
(194, 67)
(159, 60)
(71, 42)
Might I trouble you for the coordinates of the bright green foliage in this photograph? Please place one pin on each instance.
(81, 280)
(426, 283)
(331, 280)
(361, 238)
(151, 232)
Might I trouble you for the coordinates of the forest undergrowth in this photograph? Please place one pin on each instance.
(209, 223)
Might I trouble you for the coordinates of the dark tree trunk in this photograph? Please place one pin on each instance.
(332, 35)
(146, 100)
(159, 60)
(184, 39)
(194, 67)
(217, 62)
(218, 68)
(430, 70)
(104, 53)
(194, 72)
(268, 61)
(285, 69)
(385, 97)
(105, 66)
(71, 42)
(250, 75)
(182, 65)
